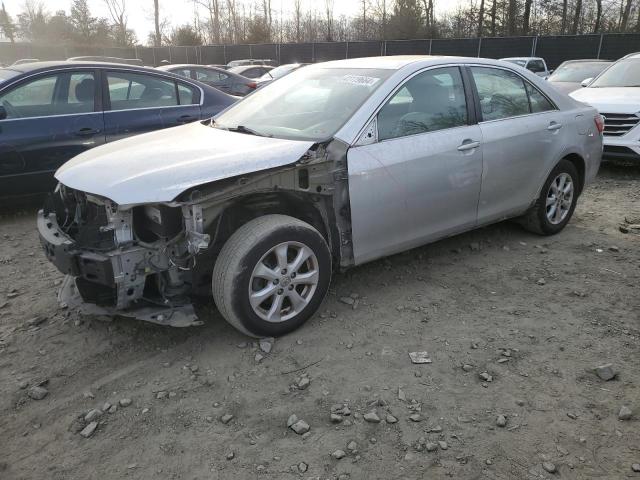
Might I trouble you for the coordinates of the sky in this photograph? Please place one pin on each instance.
(140, 12)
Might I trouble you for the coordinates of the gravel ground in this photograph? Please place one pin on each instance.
(513, 324)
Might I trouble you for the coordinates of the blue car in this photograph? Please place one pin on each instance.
(52, 111)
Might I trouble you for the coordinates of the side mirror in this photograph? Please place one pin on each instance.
(3, 113)
(586, 82)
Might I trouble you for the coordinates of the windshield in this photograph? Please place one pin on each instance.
(522, 63)
(577, 72)
(308, 104)
(6, 74)
(278, 72)
(625, 73)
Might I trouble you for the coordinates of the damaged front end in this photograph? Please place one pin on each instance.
(135, 261)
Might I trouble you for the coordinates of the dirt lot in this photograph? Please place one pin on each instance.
(536, 314)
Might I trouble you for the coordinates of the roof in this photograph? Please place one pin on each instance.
(633, 55)
(522, 58)
(30, 67)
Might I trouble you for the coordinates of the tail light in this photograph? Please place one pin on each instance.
(252, 84)
(599, 119)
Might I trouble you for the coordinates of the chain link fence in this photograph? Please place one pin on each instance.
(554, 49)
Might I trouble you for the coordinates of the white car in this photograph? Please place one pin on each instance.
(616, 95)
(536, 65)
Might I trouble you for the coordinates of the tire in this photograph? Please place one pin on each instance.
(251, 262)
(537, 219)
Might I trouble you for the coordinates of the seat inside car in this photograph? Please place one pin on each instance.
(85, 90)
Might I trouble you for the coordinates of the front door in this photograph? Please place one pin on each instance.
(49, 119)
(421, 179)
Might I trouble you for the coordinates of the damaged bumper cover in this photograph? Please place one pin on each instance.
(129, 279)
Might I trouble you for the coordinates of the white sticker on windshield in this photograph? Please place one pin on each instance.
(359, 80)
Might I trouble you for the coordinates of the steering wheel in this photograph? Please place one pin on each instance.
(11, 110)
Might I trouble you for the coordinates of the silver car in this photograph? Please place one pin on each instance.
(334, 165)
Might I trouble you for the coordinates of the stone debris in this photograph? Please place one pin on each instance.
(431, 446)
(226, 418)
(303, 383)
(541, 281)
(291, 420)
(419, 357)
(125, 402)
(336, 418)
(266, 344)
(624, 413)
(230, 456)
(635, 467)
(92, 415)
(443, 445)
(606, 372)
(467, 367)
(501, 421)
(391, 419)
(347, 300)
(401, 395)
(303, 467)
(549, 467)
(371, 417)
(89, 429)
(37, 392)
(486, 377)
(258, 357)
(300, 427)
(338, 454)
(416, 417)
(352, 446)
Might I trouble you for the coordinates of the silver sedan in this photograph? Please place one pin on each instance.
(332, 166)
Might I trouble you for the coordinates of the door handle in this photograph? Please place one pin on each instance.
(86, 131)
(468, 145)
(187, 119)
(554, 126)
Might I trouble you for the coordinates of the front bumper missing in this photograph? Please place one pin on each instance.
(182, 316)
(119, 284)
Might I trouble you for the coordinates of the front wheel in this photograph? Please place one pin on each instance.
(271, 275)
(556, 203)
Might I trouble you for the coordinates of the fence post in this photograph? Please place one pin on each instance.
(430, 43)
(600, 46)
(479, 45)
(224, 53)
(250, 54)
(346, 51)
(313, 52)
(534, 45)
(155, 61)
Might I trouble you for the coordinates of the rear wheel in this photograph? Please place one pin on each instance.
(556, 203)
(271, 275)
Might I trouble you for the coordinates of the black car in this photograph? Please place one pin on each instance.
(228, 82)
(52, 111)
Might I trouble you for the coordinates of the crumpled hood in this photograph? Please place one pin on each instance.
(158, 166)
(610, 100)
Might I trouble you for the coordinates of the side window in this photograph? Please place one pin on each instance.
(539, 103)
(210, 76)
(536, 66)
(60, 94)
(502, 93)
(187, 94)
(129, 91)
(252, 72)
(183, 72)
(430, 101)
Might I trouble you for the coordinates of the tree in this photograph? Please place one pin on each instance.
(328, 4)
(527, 17)
(494, 8)
(6, 24)
(576, 17)
(625, 16)
(512, 10)
(84, 25)
(596, 26)
(185, 36)
(406, 20)
(123, 36)
(297, 19)
(157, 41)
(480, 18)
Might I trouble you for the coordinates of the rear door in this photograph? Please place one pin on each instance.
(420, 180)
(139, 102)
(520, 131)
(51, 118)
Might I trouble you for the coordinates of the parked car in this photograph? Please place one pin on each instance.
(570, 75)
(52, 111)
(253, 72)
(24, 60)
(251, 61)
(332, 166)
(536, 65)
(278, 72)
(226, 81)
(215, 65)
(616, 95)
(99, 58)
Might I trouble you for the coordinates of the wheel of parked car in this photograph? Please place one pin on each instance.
(271, 275)
(557, 201)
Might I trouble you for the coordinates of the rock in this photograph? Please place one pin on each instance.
(125, 402)
(88, 394)
(302, 467)
(230, 456)
(520, 403)
(338, 454)
(549, 467)
(226, 418)
(443, 445)
(401, 395)
(37, 393)
(635, 467)
(291, 420)
(436, 429)
(304, 383)
(371, 417)
(613, 248)
(541, 281)
(22, 384)
(347, 300)
(486, 377)
(106, 406)
(161, 394)
(416, 417)
(32, 322)
(467, 368)
(266, 344)
(93, 414)
(431, 446)
(391, 419)
(352, 446)
(335, 418)
(625, 413)
(300, 427)
(89, 429)
(419, 357)
(501, 421)
(474, 246)
(259, 357)
(606, 372)
(113, 409)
